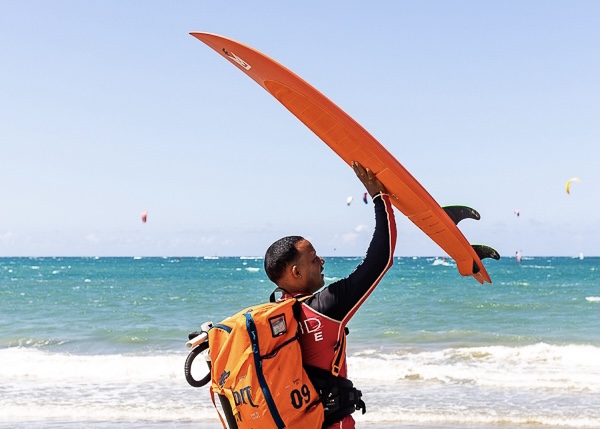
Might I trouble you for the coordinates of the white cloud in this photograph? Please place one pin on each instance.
(362, 228)
(349, 237)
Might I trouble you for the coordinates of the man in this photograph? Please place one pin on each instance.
(294, 266)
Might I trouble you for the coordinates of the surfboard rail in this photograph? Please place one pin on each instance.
(352, 142)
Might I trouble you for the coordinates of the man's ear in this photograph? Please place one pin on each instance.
(295, 271)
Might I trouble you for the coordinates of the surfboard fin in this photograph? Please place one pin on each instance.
(458, 213)
(483, 252)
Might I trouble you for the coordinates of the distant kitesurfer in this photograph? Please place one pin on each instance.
(294, 266)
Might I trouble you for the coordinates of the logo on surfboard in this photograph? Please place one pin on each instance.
(234, 57)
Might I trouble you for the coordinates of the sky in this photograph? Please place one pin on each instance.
(110, 108)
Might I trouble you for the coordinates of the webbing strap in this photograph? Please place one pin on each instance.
(253, 334)
(212, 396)
(338, 357)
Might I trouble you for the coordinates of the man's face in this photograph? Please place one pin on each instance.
(310, 267)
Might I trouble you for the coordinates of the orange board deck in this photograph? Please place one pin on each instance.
(352, 142)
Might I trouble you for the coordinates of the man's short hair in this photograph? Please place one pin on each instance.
(279, 255)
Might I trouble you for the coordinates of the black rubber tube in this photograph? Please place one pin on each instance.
(188, 366)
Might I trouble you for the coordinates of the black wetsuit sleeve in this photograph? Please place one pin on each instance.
(342, 298)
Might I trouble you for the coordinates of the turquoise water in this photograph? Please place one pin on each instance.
(99, 342)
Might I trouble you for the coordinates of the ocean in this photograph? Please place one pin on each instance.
(100, 342)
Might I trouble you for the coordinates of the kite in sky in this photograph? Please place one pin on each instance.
(568, 186)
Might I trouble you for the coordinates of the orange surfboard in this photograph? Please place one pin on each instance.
(353, 143)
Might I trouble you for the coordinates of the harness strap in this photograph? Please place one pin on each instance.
(339, 354)
(212, 396)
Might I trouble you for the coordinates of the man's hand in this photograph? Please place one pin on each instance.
(366, 176)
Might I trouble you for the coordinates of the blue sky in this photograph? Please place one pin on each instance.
(111, 108)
